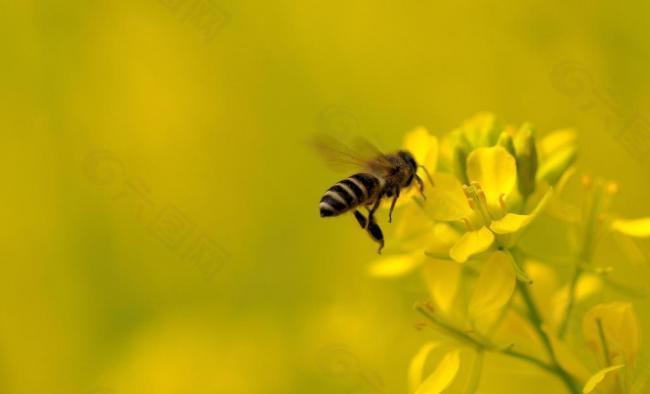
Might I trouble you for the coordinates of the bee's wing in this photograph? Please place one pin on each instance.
(377, 162)
(339, 156)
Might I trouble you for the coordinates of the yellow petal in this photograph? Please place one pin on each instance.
(471, 243)
(417, 364)
(495, 285)
(598, 377)
(514, 222)
(430, 161)
(639, 228)
(446, 201)
(495, 170)
(409, 222)
(620, 329)
(442, 278)
(443, 375)
(420, 143)
(396, 265)
(556, 141)
(587, 286)
(510, 223)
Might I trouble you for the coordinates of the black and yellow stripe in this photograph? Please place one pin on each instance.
(349, 193)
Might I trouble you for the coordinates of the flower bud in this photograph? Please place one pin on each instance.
(555, 165)
(460, 152)
(505, 141)
(526, 159)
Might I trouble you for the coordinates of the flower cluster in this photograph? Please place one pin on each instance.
(495, 190)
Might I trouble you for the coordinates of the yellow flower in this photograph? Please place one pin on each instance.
(494, 187)
(484, 205)
(470, 213)
(612, 332)
(490, 183)
(481, 192)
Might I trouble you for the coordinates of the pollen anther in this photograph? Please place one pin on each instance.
(502, 203)
(478, 201)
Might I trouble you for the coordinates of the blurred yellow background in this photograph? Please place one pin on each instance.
(161, 232)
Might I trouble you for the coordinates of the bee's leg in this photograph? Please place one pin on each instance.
(421, 185)
(376, 234)
(392, 205)
(371, 211)
(373, 229)
(360, 218)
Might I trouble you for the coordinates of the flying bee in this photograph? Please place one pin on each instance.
(381, 176)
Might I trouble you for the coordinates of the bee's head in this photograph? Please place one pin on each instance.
(408, 158)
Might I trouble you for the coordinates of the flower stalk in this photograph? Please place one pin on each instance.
(536, 322)
(484, 345)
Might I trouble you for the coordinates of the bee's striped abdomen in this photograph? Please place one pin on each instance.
(349, 193)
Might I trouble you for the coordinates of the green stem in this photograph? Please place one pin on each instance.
(449, 329)
(564, 323)
(603, 342)
(536, 320)
(607, 355)
(482, 345)
(525, 357)
(475, 377)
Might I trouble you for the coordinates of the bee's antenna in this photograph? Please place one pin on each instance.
(428, 175)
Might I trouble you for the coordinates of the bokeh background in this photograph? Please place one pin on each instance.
(159, 202)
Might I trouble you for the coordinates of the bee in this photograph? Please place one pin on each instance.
(380, 176)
